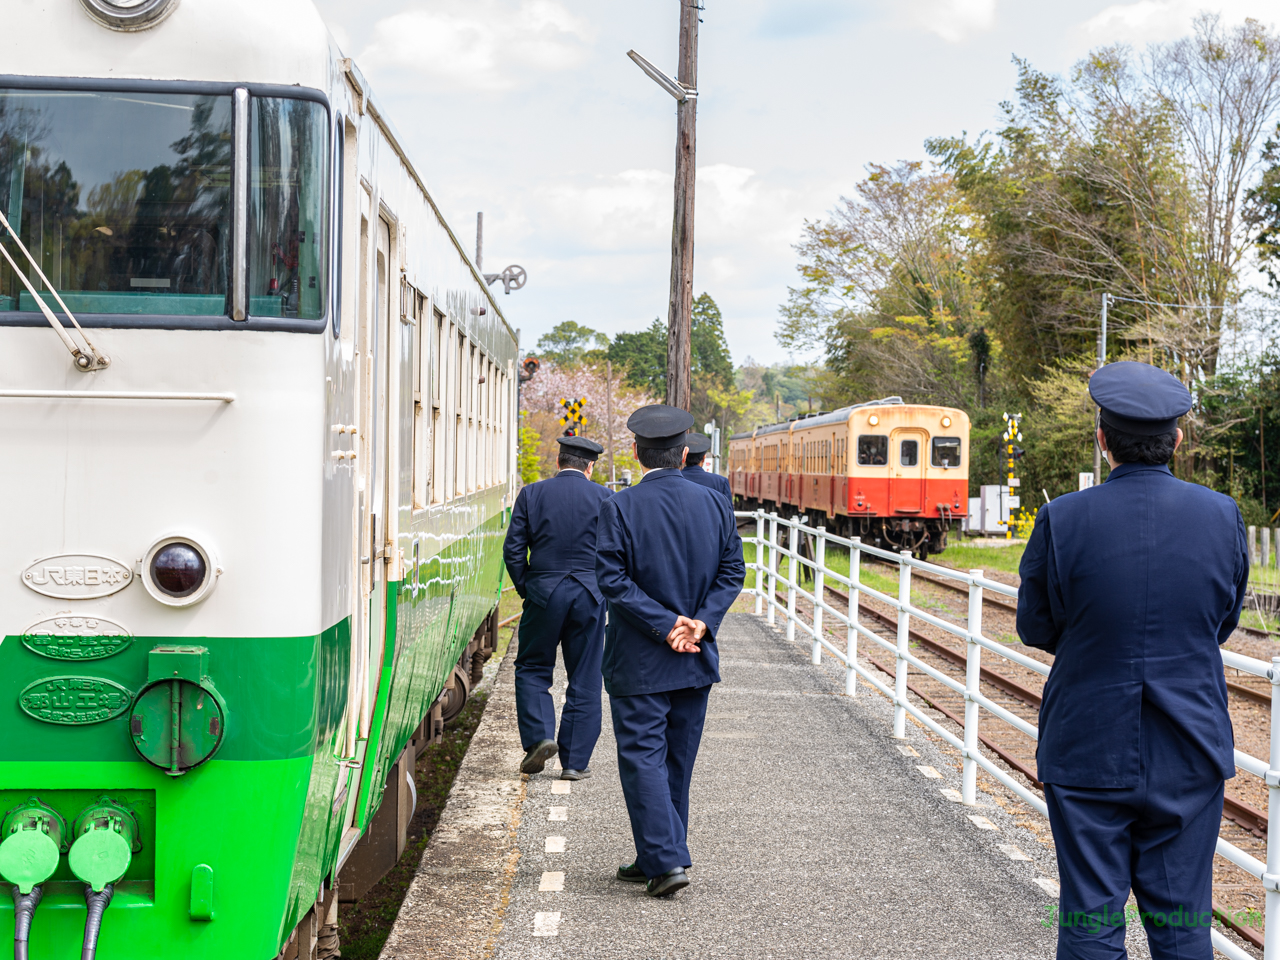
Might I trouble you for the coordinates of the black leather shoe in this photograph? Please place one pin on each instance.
(538, 755)
(630, 873)
(665, 884)
(582, 774)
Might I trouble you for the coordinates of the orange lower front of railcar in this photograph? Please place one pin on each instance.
(859, 496)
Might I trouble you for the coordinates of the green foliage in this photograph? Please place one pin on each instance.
(567, 342)
(642, 357)
(1263, 212)
(530, 463)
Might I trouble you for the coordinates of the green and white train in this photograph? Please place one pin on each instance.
(258, 413)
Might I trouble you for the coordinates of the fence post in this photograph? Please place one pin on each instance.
(793, 543)
(759, 561)
(972, 679)
(900, 666)
(1275, 540)
(1271, 935)
(772, 599)
(819, 561)
(1266, 547)
(851, 636)
(1253, 546)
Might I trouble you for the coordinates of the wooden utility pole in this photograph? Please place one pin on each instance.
(679, 315)
(608, 418)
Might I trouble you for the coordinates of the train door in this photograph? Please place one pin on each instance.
(906, 453)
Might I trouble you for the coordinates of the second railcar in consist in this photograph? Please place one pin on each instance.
(895, 474)
(253, 513)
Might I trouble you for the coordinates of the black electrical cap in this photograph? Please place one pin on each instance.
(178, 569)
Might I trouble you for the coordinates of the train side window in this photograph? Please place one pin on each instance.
(946, 452)
(909, 453)
(438, 344)
(873, 450)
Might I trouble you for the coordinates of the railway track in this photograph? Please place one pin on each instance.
(1245, 815)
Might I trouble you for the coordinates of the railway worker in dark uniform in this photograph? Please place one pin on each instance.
(1132, 585)
(669, 563)
(550, 553)
(699, 445)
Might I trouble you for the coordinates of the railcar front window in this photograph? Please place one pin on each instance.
(946, 451)
(873, 450)
(123, 198)
(289, 158)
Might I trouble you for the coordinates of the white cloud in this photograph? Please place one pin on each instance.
(954, 20)
(1147, 21)
(479, 44)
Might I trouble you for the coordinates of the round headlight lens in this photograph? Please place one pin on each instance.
(873, 419)
(129, 14)
(178, 569)
(946, 421)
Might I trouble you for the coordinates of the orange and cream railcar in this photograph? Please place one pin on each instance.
(893, 473)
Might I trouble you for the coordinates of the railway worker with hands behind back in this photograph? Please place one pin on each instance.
(1133, 585)
(699, 445)
(669, 563)
(550, 553)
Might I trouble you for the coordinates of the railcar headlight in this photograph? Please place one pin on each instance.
(946, 421)
(873, 419)
(178, 572)
(129, 14)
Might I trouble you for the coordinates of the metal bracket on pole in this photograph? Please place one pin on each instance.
(669, 84)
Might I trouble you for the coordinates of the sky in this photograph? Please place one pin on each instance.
(530, 111)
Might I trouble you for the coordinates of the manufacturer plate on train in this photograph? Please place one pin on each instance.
(74, 700)
(76, 638)
(77, 576)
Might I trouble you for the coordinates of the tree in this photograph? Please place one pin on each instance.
(530, 462)
(567, 342)
(642, 357)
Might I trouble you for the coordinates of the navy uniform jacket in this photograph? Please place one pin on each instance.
(1132, 585)
(664, 547)
(712, 481)
(553, 535)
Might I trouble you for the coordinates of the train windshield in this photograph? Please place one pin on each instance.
(873, 450)
(946, 451)
(122, 198)
(288, 147)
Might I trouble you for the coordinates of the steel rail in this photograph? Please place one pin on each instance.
(917, 574)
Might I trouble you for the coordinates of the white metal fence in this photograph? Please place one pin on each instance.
(771, 580)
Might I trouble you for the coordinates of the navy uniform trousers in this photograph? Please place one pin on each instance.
(572, 621)
(1158, 836)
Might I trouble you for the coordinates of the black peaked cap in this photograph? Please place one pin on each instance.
(1139, 398)
(580, 447)
(660, 427)
(698, 443)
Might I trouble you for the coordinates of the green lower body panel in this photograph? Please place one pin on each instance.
(241, 819)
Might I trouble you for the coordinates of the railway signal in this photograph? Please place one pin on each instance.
(573, 416)
(1013, 454)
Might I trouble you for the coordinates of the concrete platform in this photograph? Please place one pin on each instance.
(814, 833)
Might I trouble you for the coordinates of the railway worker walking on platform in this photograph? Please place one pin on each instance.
(550, 553)
(699, 444)
(1133, 585)
(669, 562)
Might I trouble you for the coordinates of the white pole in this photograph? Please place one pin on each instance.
(900, 668)
(820, 557)
(773, 568)
(793, 536)
(1253, 546)
(851, 635)
(1271, 923)
(972, 680)
(759, 560)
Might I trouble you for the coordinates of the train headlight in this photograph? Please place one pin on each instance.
(178, 572)
(129, 14)
(946, 421)
(873, 419)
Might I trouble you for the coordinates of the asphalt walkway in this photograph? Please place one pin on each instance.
(814, 833)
